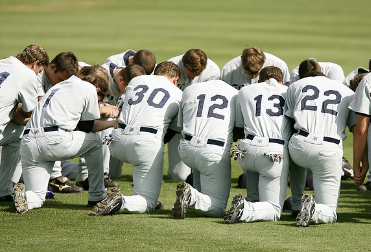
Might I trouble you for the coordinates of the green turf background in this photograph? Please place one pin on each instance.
(328, 30)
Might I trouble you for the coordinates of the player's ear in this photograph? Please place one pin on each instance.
(98, 89)
(175, 80)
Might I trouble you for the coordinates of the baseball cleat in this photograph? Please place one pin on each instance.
(62, 185)
(110, 204)
(235, 212)
(20, 201)
(159, 205)
(183, 198)
(108, 182)
(347, 169)
(307, 210)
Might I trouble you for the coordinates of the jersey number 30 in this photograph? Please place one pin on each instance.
(151, 99)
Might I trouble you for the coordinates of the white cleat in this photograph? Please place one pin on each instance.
(20, 201)
(307, 210)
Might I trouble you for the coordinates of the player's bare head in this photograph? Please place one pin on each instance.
(130, 72)
(353, 83)
(194, 60)
(66, 62)
(252, 60)
(98, 76)
(269, 72)
(146, 59)
(168, 69)
(34, 54)
(308, 65)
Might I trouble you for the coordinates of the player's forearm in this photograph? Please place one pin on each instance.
(102, 125)
(359, 141)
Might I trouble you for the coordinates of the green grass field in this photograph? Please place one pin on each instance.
(328, 30)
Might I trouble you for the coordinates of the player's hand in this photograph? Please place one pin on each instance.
(359, 174)
(109, 111)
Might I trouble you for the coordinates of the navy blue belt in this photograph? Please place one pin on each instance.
(209, 141)
(46, 129)
(143, 129)
(327, 139)
(271, 140)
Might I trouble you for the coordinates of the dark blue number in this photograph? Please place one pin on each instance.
(258, 100)
(143, 89)
(337, 100)
(3, 76)
(279, 105)
(139, 94)
(270, 112)
(163, 101)
(47, 101)
(223, 105)
(315, 95)
(325, 104)
(211, 113)
(201, 103)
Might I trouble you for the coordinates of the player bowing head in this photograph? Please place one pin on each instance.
(97, 76)
(34, 57)
(194, 62)
(62, 67)
(252, 59)
(169, 70)
(129, 73)
(309, 65)
(270, 72)
(145, 59)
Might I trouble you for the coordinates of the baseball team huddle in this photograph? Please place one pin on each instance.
(275, 123)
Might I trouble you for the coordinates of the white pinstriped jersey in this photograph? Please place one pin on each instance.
(151, 101)
(260, 110)
(65, 104)
(14, 88)
(319, 106)
(121, 59)
(361, 102)
(208, 110)
(233, 73)
(43, 83)
(331, 70)
(211, 72)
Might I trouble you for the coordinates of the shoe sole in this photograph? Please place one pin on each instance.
(66, 188)
(109, 205)
(180, 205)
(231, 216)
(20, 201)
(306, 212)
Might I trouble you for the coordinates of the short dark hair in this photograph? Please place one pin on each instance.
(145, 59)
(195, 60)
(167, 68)
(131, 71)
(307, 66)
(269, 72)
(66, 62)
